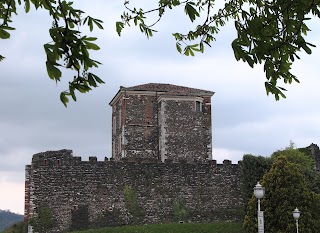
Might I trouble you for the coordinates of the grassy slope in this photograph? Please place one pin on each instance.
(174, 228)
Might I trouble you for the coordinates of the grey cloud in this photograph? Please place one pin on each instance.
(32, 119)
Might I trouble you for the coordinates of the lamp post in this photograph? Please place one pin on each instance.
(296, 216)
(259, 192)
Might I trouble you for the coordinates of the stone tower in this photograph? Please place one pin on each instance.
(315, 153)
(161, 121)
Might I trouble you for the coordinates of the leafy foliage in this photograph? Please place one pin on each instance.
(268, 32)
(271, 33)
(254, 167)
(304, 161)
(179, 210)
(132, 204)
(68, 49)
(43, 221)
(252, 170)
(286, 189)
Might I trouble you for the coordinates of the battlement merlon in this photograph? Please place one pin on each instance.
(65, 157)
(58, 154)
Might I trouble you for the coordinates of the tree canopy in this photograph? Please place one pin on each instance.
(286, 188)
(269, 32)
(68, 49)
(253, 168)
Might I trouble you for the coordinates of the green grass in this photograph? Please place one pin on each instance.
(174, 228)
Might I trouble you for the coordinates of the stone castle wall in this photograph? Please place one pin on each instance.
(86, 190)
(185, 133)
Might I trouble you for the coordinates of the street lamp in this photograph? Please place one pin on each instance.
(296, 216)
(259, 192)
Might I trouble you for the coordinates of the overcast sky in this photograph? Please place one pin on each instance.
(245, 120)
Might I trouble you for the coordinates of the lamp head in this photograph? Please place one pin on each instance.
(258, 191)
(296, 214)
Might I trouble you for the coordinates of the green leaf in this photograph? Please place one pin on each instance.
(49, 52)
(250, 61)
(71, 88)
(71, 24)
(191, 11)
(84, 51)
(27, 6)
(91, 45)
(201, 47)
(4, 34)
(97, 78)
(89, 38)
(83, 88)
(64, 99)
(191, 52)
(119, 27)
(85, 20)
(177, 36)
(98, 23)
(306, 48)
(53, 72)
(7, 28)
(188, 51)
(91, 80)
(178, 46)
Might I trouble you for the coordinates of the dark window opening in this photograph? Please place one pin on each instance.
(198, 106)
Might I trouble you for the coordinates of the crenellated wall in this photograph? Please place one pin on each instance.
(90, 189)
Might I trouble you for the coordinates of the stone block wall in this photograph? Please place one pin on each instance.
(185, 132)
(161, 121)
(315, 153)
(85, 193)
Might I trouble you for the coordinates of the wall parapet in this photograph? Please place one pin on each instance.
(64, 156)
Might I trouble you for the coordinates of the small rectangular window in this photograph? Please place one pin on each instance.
(198, 106)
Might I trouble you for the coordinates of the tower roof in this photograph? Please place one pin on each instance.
(162, 89)
(169, 88)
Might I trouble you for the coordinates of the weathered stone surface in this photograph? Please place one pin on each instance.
(315, 153)
(184, 132)
(161, 148)
(162, 121)
(90, 190)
